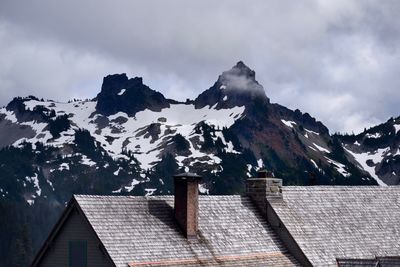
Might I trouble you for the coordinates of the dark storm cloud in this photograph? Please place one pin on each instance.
(337, 60)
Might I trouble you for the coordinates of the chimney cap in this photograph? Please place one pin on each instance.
(188, 176)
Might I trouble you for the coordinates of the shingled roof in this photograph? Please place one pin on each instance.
(377, 262)
(331, 222)
(142, 231)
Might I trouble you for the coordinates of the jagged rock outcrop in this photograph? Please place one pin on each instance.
(120, 94)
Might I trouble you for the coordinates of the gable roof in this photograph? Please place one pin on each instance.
(141, 231)
(330, 222)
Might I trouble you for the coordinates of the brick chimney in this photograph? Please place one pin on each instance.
(187, 203)
(262, 188)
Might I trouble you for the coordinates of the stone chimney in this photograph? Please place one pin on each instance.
(187, 203)
(262, 188)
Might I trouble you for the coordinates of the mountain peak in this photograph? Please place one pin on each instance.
(240, 65)
(119, 93)
(114, 82)
(234, 87)
(240, 78)
(240, 70)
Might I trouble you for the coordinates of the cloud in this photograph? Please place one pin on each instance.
(234, 82)
(47, 69)
(310, 55)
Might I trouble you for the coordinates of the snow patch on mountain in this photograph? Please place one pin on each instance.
(260, 163)
(132, 185)
(78, 112)
(117, 171)
(63, 166)
(122, 92)
(149, 191)
(87, 161)
(125, 131)
(51, 184)
(339, 167)
(322, 149)
(288, 123)
(42, 135)
(396, 127)
(33, 179)
(363, 158)
(228, 145)
(312, 132)
(249, 167)
(375, 135)
(315, 164)
(179, 119)
(10, 115)
(312, 148)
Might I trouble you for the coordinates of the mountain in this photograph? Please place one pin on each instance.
(377, 151)
(130, 139)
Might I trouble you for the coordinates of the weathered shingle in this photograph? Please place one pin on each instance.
(377, 262)
(142, 231)
(389, 261)
(330, 222)
(357, 263)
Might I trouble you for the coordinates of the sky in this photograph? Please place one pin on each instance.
(337, 60)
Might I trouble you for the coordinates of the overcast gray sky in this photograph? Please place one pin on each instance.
(338, 60)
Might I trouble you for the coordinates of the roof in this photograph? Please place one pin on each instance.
(357, 263)
(331, 222)
(142, 231)
(377, 262)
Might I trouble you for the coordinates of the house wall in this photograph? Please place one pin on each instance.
(74, 228)
(285, 236)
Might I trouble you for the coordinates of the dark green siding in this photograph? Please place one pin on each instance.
(74, 228)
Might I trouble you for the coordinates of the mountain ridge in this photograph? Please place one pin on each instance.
(120, 94)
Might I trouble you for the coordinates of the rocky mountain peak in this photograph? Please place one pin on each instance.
(112, 84)
(234, 87)
(240, 77)
(241, 69)
(121, 94)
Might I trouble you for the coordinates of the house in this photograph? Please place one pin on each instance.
(271, 225)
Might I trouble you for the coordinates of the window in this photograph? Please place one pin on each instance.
(77, 253)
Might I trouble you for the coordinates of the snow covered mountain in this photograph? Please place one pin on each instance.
(125, 136)
(377, 151)
(130, 139)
